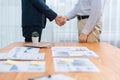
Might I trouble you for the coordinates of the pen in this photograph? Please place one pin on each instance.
(46, 77)
(27, 49)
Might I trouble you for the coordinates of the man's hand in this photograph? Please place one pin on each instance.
(83, 38)
(60, 20)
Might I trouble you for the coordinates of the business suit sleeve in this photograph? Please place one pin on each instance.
(42, 7)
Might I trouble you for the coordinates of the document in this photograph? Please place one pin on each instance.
(69, 48)
(72, 51)
(24, 50)
(74, 65)
(23, 53)
(22, 66)
(13, 66)
(36, 66)
(74, 54)
(2, 56)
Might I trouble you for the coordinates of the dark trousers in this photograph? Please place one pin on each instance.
(28, 30)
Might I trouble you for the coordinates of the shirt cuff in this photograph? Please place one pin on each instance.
(68, 17)
(85, 31)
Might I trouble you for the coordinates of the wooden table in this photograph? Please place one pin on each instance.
(108, 63)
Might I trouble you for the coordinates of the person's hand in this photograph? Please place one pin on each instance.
(60, 20)
(83, 38)
(63, 20)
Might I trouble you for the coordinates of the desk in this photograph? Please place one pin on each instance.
(108, 63)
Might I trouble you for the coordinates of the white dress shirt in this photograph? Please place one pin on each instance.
(93, 8)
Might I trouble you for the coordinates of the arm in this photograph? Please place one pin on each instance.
(94, 16)
(42, 7)
(92, 20)
(73, 13)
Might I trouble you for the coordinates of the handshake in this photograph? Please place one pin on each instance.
(60, 20)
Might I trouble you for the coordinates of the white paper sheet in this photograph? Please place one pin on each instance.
(74, 54)
(23, 53)
(74, 65)
(36, 66)
(69, 48)
(22, 66)
(2, 56)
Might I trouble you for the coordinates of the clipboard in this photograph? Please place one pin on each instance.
(39, 45)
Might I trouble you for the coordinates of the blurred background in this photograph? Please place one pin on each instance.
(11, 31)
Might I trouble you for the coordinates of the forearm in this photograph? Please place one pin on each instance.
(93, 18)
